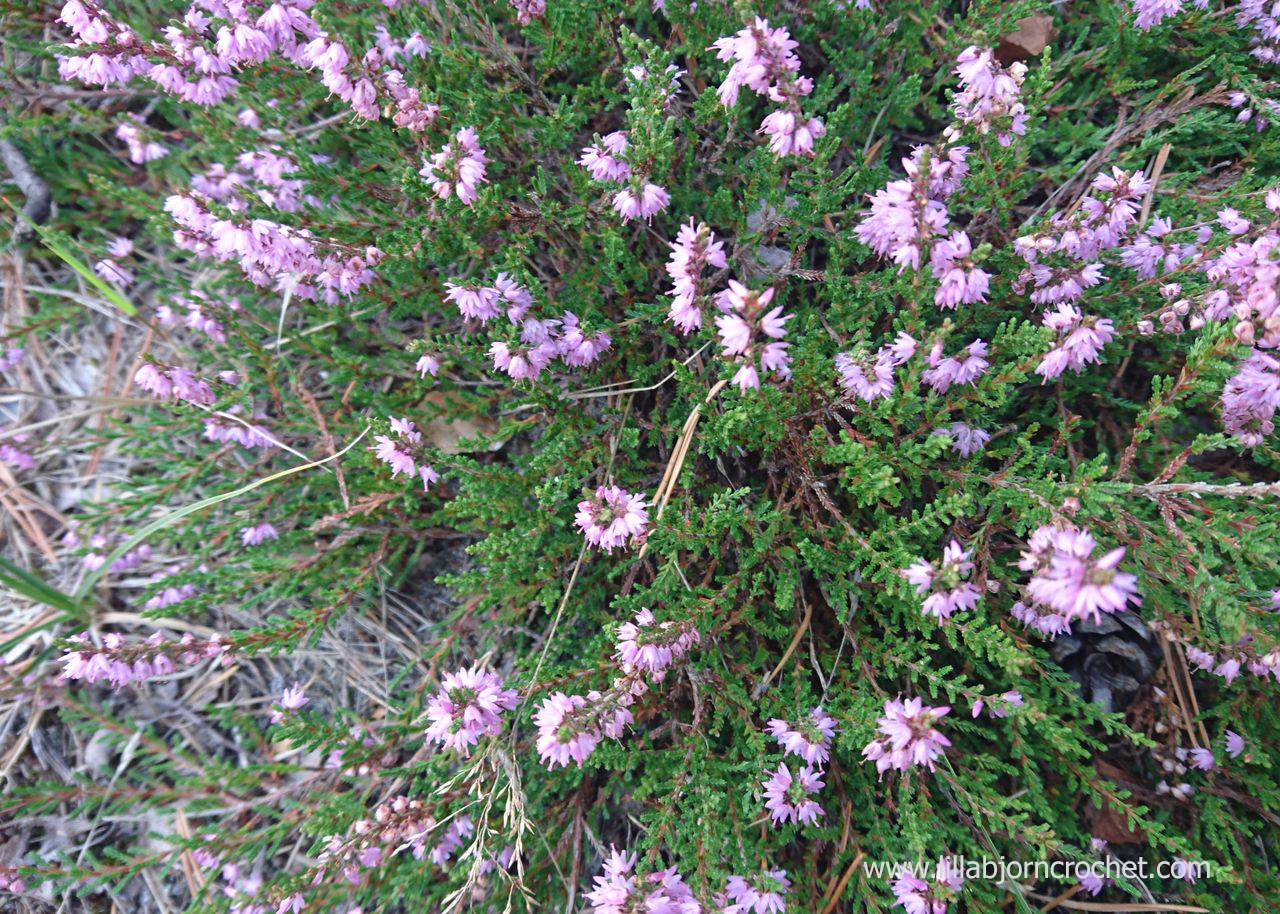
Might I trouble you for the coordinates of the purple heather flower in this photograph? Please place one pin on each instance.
(1151, 12)
(648, 646)
(619, 891)
(989, 96)
(579, 349)
(401, 453)
(1079, 340)
(292, 699)
(764, 62)
(694, 250)
(959, 280)
(256, 536)
(810, 738)
(788, 798)
(761, 893)
(559, 739)
(908, 736)
(428, 364)
(605, 160)
(942, 373)
(965, 439)
(1201, 758)
(947, 588)
(744, 326)
(612, 518)
(643, 204)
(919, 897)
(467, 707)
(475, 302)
(1235, 743)
(909, 214)
(458, 168)
(522, 363)
(1067, 579)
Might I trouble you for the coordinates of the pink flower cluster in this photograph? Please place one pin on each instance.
(168, 593)
(871, 379)
(196, 316)
(907, 736)
(745, 329)
(272, 254)
(260, 176)
(613, 518)
(292, 699)
(101, 543)
(109, 267)
(542, 341)
(395, 824)
(528, 10)
(810, 739)
(15, 456)
(173, 384)
(119, 664)
(649, 647)
(10, 882)
(960, 280)
(965, 439)
(10, 357)
(1259, 15)
(989, 97)
(943, 372)
(758, 893)
(608, 164)
(1079, 339)
(484, 303)
(1245, 656)
(258, 534)
(468, 706)
(909, 215)
(404, 452)
(221, 428)
(1251, 398)
(694, 250)
(141, 150)
(1154, 252)
(916, 896)
(195, 61)
(618, 890)
(366, 84)
(1069, 582)
(1062, 258)
(457, 169)
(789, 798)
(571, 726)
(1001, 706)
(764, 62)
(947, 587)
(606, 160)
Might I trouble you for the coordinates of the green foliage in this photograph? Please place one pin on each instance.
(792, 515)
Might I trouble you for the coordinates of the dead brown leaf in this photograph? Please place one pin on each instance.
(1030, 38)
(447, 434)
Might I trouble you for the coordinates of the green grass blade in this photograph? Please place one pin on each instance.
(54, 244)
(23, 582)
(92, 578)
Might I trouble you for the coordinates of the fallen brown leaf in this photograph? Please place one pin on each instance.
(1030, 38)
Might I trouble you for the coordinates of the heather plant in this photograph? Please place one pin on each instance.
(752, 441)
